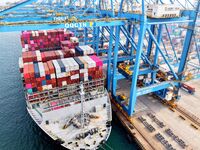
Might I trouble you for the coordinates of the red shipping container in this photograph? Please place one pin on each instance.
(53, 81)
(48, 82)
(40, 88)
(43, 57)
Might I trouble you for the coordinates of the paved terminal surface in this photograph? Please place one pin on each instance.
(191, 102)
(153, 118)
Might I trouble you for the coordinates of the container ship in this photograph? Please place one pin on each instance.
(64, 88)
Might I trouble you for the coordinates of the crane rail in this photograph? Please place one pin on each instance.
(189, 115)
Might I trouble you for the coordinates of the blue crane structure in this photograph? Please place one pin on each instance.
(143, 43)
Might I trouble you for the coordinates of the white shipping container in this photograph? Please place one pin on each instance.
(45, 87)
(60, 53)
(33, 33)
(76, 66)
(39, 58)
(59, 75)
(22, 75)
(45, 32)
(57, 67)
(85, 75)
(66, 64)
(91, 50)
(41, 68)
(53, 76)
(36, 33)
(64, 83)
(76, 76)
(91, 61)
(21, 64)
(49, 86)
(38, 55)
(83, 70)
(29, 63)
(87, 49)
(71, 65)
(26, 47)
(63, 74)
(85, 78)
(74, 39)
(83, 61)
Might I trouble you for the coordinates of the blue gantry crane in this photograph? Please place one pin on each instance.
(126, 26)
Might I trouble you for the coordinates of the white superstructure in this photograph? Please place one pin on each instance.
(163, 11)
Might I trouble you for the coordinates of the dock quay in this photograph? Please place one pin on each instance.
(156, 125)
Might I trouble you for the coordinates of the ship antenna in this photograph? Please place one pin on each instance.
(82, 93)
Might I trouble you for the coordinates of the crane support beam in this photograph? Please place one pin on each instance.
(166, 53)
(169, 21)
(119, 59)
(187, 42)
(129, 31)
(114, 81)
(133, 93)
(120, 44)
(132, 42)
(150, 44)
(133, 37)
(141, 72)
(197, 49)
(110, 50)
(14, 8)
(163, 55)
(171, 43)
(155, 62)
(155, 87)
(51, 25)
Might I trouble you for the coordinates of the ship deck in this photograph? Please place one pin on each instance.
(182, 121)
(64, 124)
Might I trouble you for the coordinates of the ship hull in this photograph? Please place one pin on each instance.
(91, 136)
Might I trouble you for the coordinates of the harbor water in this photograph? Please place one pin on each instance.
(17, 130)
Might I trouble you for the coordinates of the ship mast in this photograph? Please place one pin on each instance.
(82, 93)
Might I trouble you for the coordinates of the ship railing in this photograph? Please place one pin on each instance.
(109, 108)
(40, 114)
(68, 101)
(65, 91)
(109, 112)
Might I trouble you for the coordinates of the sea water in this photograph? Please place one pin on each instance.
(17, 130)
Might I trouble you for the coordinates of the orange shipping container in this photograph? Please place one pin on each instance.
(51, 67)
(46, 69)
(31, 70)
